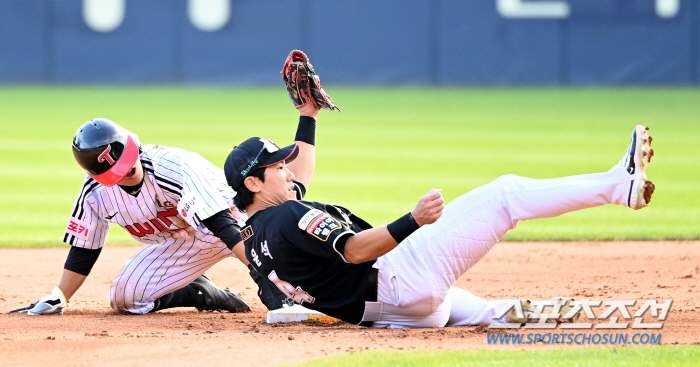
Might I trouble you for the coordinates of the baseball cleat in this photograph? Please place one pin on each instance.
(529, 313)
(217, 299)
(640, 193)
(566, 305)
(635, 163)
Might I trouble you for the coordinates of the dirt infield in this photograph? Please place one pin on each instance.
(91, 334)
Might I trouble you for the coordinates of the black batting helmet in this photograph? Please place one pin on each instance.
(105, 150)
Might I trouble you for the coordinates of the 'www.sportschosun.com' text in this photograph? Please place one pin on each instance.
(575, 338)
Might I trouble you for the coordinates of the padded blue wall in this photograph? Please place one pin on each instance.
(477, 46)
(25, 46)
(383, 42)
(624, 42)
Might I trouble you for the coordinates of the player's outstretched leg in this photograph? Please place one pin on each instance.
(467, 309)
(494, 209)
(523, 198)
(470, 225)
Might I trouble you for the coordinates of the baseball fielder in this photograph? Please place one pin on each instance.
(175, 202)
(400, 275)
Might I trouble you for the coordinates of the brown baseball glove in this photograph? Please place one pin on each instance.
(303, 84)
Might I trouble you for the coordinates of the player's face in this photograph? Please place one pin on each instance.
(278, 186)
(134, 176)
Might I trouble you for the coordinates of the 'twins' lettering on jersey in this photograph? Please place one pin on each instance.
(160, 223)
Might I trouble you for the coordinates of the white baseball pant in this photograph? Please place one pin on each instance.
(415, 279)
(159, 269)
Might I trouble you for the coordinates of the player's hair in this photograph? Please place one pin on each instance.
(244, 197)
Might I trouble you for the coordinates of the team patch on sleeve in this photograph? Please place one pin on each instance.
(247, 233)
(188, 206)
(318, 224)
(78, 228)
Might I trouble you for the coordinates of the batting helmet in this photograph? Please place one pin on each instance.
(105, 150)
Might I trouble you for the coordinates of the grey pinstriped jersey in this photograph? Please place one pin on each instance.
(179, 188)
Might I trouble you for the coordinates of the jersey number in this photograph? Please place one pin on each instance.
(143, 229)
(297, 294)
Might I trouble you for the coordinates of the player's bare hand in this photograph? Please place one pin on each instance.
(183, 233)
(309, 109)
(429, 207)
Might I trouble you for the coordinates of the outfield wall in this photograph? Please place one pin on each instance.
(381, 42)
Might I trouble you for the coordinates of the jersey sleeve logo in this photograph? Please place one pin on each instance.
(188, 207)
(247, 233)
(78, 228)
(318, 224)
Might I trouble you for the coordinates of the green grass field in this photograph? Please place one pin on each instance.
(665, 356)
(383, 152)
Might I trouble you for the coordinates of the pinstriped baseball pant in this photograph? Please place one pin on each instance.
(159, 269)
(416, 278)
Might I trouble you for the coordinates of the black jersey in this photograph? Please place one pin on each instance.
(300, 246)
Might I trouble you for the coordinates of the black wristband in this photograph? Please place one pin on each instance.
(306, 131)
(402, 227)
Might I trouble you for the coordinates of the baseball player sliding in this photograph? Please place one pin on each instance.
(400, 275)
(175, 202)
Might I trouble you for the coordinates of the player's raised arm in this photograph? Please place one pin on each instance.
(307, 95)
(303, 165)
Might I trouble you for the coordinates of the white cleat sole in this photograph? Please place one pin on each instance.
(639, 155)
(640, 193)
(640, 151)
